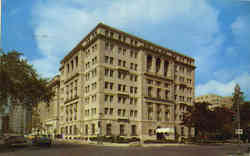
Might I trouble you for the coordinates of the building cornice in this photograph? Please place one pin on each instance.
(146, 44)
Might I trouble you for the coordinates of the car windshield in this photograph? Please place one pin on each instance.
(44, 136)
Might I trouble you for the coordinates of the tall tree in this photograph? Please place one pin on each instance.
(199, 117)
(223, 121)
(20, 81)
(244, 115)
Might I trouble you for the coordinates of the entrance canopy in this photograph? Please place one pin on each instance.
(165, 130)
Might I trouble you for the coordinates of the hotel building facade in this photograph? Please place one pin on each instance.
(116, 84)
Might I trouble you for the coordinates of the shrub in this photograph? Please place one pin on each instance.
(159, 141)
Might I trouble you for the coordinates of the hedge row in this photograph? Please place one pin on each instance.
(113, 139)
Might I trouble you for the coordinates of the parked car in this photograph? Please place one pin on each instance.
(42, 140)
(30, 136)
(15, 141)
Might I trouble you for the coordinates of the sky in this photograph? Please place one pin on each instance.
(214, 32)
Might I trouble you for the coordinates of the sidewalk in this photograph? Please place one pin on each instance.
(134, 144)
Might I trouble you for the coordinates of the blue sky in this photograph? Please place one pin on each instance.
(216, 33)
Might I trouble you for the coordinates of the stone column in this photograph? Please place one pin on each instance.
(162, 67)
(154, 111)
(153, 68)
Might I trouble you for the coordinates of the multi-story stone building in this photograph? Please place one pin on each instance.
(215, 100)
(20, 118)
(48, 122)
(4, 124)
(114, 83)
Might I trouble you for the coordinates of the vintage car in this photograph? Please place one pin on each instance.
(17, 140)
(42, 140)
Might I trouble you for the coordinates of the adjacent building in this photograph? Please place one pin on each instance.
(116, 84)
(46, 115)
(20, 118)
(215, 100)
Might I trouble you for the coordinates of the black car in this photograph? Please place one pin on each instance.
(15, 141)
(42, 140)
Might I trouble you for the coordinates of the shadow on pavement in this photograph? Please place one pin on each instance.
(4, 148)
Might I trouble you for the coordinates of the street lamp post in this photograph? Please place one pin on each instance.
(237, 95)
(238, 115)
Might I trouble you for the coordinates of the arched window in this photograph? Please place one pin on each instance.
(158, 64)
(166, 68)
(108, 129)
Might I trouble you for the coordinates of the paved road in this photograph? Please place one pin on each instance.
(100, 150)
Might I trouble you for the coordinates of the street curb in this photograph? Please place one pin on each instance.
(118, 145)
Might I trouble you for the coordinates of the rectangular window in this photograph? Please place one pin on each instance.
(119, 99)
(106, 85)
(123, 112)
(131, 53)
(109, 130)
(111, 73)
(135, 91)
(111, 60)
(150, 132)
(106, 111)
(131, 113)
(72, 65)
(111, 98)
(106, 59)
(111, 111)
(150, 91)
(106, 72)
(158, 93)
(122, 130)
(131, 101)
(182, 131)
(131, 65)
(131, 77)
(135, 54)
(133, 130)
(119, 112)
(86, 129)
(135, 113)
(93, 129)
(76, 60)
(131, 89)
(124, 63)
(124, 52)
(119, 75)
(106, 98)
(119, 62)
(119, 50)
(119, 87)
(124, 88)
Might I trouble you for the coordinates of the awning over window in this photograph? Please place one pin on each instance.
(165, 130)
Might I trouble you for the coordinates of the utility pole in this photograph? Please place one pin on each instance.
(237, 100)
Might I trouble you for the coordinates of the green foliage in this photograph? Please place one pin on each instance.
(20, 81)
(244, 115)
(218, 120)
(199, 117)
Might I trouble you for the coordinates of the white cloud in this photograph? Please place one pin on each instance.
(225, 89)
(47, 66)
(240, 30)
(190, 26)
